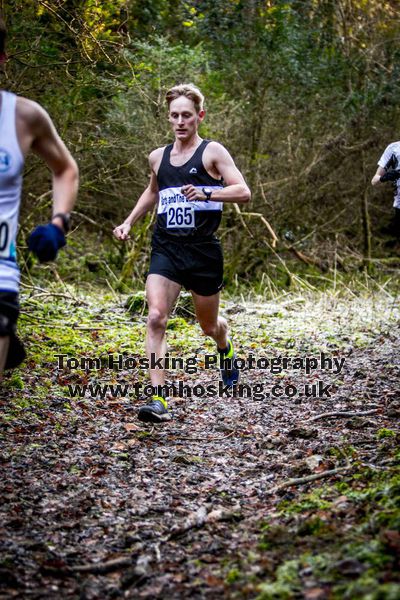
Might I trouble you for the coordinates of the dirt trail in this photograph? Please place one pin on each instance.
(96, 505)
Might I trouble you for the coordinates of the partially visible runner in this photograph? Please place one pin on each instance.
(389, 170)
(26, 126)
(190, 180)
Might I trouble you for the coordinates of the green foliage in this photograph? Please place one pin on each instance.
(287, 583)
(16, 382)
(315, 500)
(303, 93)
(232, 576)
(136, 303)
(371, 504)
(385, 433)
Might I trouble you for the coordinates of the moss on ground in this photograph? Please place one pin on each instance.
(341, 539)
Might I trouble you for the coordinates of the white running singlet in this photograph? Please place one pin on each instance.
(11, 166)
(392, 149)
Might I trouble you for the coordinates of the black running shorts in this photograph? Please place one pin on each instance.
(9, 311)
(197, 266)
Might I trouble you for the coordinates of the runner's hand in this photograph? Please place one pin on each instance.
(122, 232)
(391, 175)
(192, 193)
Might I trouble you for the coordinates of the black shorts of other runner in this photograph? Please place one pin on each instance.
(196, 265)
(9, 311)
(396, 223)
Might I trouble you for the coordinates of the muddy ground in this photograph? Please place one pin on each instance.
(235, 497)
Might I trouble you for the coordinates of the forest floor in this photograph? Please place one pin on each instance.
(265, 497)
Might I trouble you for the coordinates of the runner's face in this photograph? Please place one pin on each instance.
(184, 118)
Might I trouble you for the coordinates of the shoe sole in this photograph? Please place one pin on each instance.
(150, 417)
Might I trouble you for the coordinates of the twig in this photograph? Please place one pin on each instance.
(212, 439)
(59, 279)
(54, 12)
(308, 260)
(90, 328)
(340, 413)
(50, 294)
(112, 290)
(263, 220)
(309, 478)
(319, 228)
(272, 248)
(198, 519)
(100, 568)
(106, 230)
(192, 522)
(378, 467)
(106, 567)
(63, 325)
(76, 33)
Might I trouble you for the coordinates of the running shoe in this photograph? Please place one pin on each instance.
(229, 374)
(156, 411)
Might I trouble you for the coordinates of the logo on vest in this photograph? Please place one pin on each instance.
(193, 170)
(5, 160)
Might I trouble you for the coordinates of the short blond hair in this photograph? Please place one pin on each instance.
(189, 90)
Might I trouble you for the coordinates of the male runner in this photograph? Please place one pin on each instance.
(187, 182)
(389, 170)
(25, 126)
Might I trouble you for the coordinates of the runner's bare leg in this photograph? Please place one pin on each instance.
(206, 308)
(161, 294)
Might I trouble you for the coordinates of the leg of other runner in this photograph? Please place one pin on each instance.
(161, 294)
(4, 345)
(396, 224)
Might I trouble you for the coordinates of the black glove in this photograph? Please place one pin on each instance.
(392, 175)
(45, 241)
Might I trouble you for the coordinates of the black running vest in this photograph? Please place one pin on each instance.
(176, 216)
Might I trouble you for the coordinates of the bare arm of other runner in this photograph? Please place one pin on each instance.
(48, 145)
(219, 163)
(146, 202)
(377, 177)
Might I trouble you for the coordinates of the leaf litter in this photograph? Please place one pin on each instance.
(233, 498)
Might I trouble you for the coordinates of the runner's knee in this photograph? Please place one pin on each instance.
(210, 329)
(157, 320)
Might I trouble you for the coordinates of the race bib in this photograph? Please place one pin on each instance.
(180, 215)
(5, 239)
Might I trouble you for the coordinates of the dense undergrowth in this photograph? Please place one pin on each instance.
(94, 257)
(303, 94)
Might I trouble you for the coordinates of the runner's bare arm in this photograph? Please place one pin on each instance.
(219, 163)
(46, 142)
(377, 177)
(146, 202)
